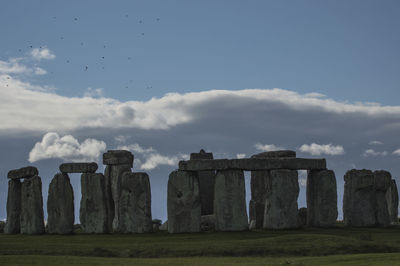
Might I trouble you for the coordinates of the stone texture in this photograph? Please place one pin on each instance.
(25, 172)
(206, 183)
(392, 198)
(164, 226)
(78, 167)
(252, 225)
(32, 218)
(135, 204)
(13, 207)
(230, 201)
(253, 164)
(364, 200)
(115, 157)
(321, 198)
(281, 202)
(60, 205)
(207, 223)
(93, 211)
(183, 203)
(302, 217)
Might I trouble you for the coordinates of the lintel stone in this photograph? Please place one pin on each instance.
(24, 172)
(78, 167)
(115, 157)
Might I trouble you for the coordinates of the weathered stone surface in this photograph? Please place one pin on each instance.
(364, 199)
(183, 203)
(135, 204)
(156, 221)
(78, 167)
(230, 201)
(281, 202)
(302, 217)
(275, 154)
(252, 225)
(115, 157)
(392, 197)
(164, 226)
(93, 211)
(24, 172)
(13, 207)
(32, 218)
(253, 164)
(321, 198)
(207, 223)
(2, 225)
(113, 175)
(206, 183)
(60, 205)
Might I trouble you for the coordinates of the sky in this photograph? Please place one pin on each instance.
(167, 78)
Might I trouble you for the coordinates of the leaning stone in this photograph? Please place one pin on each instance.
(383, 181)
(321, 198)
(281, 201)
(78, 167)
(164, 226)
(93, 211)
(252, 225)
(25, 172)
(115, 157)
(32, 218)
(253, 164)
(135, 204)
(207, 223)
(392, 197)
(13, 207)
(60, 205)
(230, 201)
(275, 154)
(206, 183)
(183, 202)
(156, 225)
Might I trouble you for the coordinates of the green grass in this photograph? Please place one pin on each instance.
(307, 246)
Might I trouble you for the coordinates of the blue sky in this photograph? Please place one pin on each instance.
(167, 78)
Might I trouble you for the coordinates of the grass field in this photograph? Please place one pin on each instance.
(339, 246)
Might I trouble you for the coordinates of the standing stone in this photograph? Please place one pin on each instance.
(321, 198)
(32, 218)
(383, 180)
(392, 197)
(258, 186)
(281, 201)
(60, 205)
(135, 204)
(93, 211)
(230, 201)
(13, 207)
(206, 183)
(183, 202)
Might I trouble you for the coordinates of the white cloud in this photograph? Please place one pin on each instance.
(372, 152)
(318, 149)
(66, 148)
(42, 53)
(267, 147)
(240, 155)
(136, 148)
(375, 142)
(121, 138)
(93, 93)
(13, 66)
(396, 152)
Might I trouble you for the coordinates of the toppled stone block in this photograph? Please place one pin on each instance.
(24, 172)
(253, 164)
(183, 202)
(206, 183)
(281, 202)
(115, 157)
(93, 211)
(392, 197)
(78, 167)
(32, 218)
(275, 154)
(230, 201)
(60, 205)
(207, 223)
(13, 207)
(321, 198)
(135, 204)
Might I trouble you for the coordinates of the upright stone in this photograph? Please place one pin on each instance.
(93, 211)
(230, 201)
(118, 162)
(258, 186)
(183, 202)
(60, 205)
(135, 204)
(281, 201)
(13, 207)
(206, 183)
(321, 198)
(32, 218)
(392, 197)
(383, 180)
